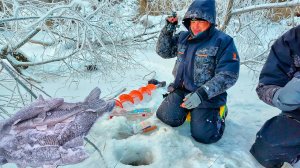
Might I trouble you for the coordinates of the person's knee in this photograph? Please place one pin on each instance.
(263, 154)
(169, 120)
(168, 116)
(270, 148)
(206, 139)
(170, 111)
(204, 136)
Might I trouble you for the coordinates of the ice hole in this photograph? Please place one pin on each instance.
(122, 135)
(135, 156)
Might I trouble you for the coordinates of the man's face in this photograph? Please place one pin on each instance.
(198, 26)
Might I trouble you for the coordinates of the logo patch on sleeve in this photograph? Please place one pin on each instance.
(234, 56)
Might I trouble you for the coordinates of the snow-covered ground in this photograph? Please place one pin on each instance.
(165, 147)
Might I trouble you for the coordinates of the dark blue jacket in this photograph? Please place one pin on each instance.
(282, 64)
(208, 63)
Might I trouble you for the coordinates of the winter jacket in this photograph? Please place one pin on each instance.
(282, 64)
(208, 63)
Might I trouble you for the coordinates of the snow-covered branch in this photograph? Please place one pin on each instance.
(26, 39)
(19, 64)
(265, 6)
(94, 31)
(227, 15)
(50, 12)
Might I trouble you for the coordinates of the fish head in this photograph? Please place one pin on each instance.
(100, 106)
(107, 106)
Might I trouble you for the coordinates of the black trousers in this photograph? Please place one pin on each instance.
(278, 141)
(206, 124)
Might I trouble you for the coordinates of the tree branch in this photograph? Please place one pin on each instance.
(265, 6)
(18, 63)
(28, 37)
(227, 16)
(10, 71)
(50, 12)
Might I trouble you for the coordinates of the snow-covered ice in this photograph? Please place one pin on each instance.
(166, 146)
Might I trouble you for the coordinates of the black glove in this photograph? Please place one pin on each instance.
(171, 87)
(172, 22)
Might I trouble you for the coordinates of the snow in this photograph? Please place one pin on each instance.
(166, 146)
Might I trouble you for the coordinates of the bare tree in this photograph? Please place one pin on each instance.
(80, 33)
(252, 25)
(72, 36)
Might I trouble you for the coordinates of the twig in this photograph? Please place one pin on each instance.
(45, 44)
(228, 15)
(18, 63)
(251, 61)
(23, 102)
(36, 17)
(29, 36)
(115, 95)
(5, 112)
(97, 149)
(10, 71)
(50, 12)
(19, 75)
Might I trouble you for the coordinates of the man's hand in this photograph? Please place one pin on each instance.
(172, 22)
(171, 87)
(288, 97)
(192, 100)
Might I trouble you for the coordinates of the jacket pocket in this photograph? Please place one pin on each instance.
(204, 65)
(180, 53)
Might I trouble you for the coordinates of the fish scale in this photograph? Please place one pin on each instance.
(49, 140)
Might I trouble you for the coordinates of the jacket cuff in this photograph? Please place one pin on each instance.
(202, 94)
(166, 29)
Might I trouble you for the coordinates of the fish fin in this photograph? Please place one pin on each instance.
(41, 127)
(73, 143)
(74, 156)
(94, 95)
(40, 98)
